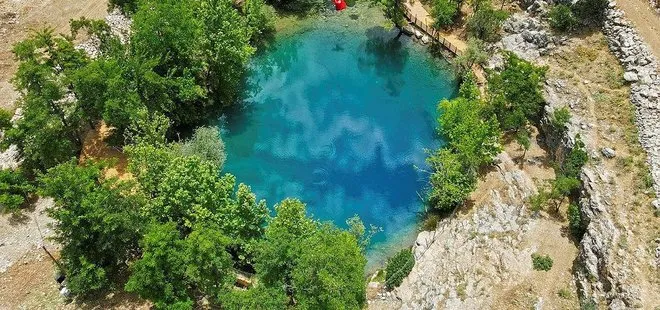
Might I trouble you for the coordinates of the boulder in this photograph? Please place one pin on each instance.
(630, 76)
(426, 39)
(608, 152)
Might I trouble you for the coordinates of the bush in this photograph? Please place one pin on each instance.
(575, 159)
(5, 119)
(541, 262)
(14, 190)
(126, 6)
(575, 221)
(444, 12)
(562, 18)
(398, 267)
(485, 23)
(206, 144)
(592, 11)
(560, 119)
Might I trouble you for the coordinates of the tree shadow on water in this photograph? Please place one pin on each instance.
(386, 54)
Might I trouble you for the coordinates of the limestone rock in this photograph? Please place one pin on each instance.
(608, 152)
(630, 76)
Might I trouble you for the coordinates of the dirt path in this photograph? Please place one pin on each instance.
(646, 21)
(18, 17)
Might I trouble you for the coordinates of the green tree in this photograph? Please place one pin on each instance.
(451, 183)
(394, 11)
(206, 144)
(260, 20)
(469, 131)
(444, 12)
(486, 22)
(575, 222)
(329, 271)
(360, 232)
(474, 54)
(97, 222)
(561, 18)
(575, 160)
(523, 138)
(14, 190)
(515, 93)
(126, 6)
(5, 119)
(398, 267)
(160, 275)
(559, 120)
(260, 297)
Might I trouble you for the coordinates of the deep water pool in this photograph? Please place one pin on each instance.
(340, 118)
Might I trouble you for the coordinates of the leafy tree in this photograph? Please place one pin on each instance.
(206, 144)
(359, 231)
(516, 96)
(562, 18)
(329, 271)
(398, 267)
(148, 129)
(96, 222)
(541, 262)
(592, 11)
(258, 298)
(444, 12)
(486, 22)
(394, 11)
(523, 137)
(260, 20)
(277, 251)
(299, 6)
(451, 182)
(50, 130)
(469, 131)
(209, 265)
(160, 275)
(474, 54)
(126, 6)
(14, 190)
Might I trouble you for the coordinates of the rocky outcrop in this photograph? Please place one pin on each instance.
(527, 37)
(460, 263)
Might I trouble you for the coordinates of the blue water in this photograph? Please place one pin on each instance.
(340, 118)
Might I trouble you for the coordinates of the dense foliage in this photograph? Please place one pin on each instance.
(591, 11)
(474, 54)
(472, 135)
(561, 17)
(15, 189)
(394, 11)
(575, 222)
(398, 267)
(541, 262)
(486, 21)
(444, 12)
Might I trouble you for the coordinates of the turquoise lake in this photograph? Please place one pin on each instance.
(340, 117)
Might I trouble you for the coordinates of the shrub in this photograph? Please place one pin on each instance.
(485, 23)
(575, 159)
(126, 6)
(575, 221)
(560, 119)
(444, 12)
(398, 267)
(592, 11)
(14, 190)
(5, 119)
(206, 144)
(562, 18)
(541, 262)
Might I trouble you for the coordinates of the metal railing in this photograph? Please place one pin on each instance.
(430, 31)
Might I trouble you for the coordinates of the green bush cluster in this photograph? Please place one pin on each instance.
(472, 136)
(575, 222)
(398, 267)
(15, 189)
(541, 262)
(445, 12)
(565, 17)
(486, 21)
(562, 18)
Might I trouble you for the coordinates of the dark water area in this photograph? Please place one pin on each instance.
(340, 117)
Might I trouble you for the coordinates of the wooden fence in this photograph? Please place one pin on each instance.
(430, 31)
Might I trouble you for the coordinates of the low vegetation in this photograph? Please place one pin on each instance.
(398, 267)
(541, 262)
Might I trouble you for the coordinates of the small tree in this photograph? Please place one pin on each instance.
(475, 53)
(562, 18)
(444, 12)
(575, 222)
(14, 190)
(523, 137)
(560, 119)
(486, 22)
(398, 267)
(206, 144)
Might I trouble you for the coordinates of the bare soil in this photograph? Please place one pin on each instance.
(645, 19)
